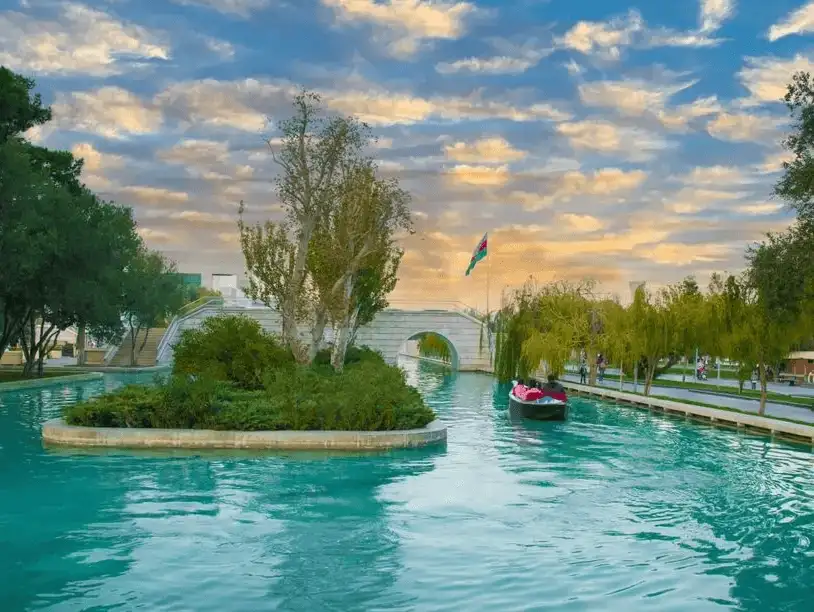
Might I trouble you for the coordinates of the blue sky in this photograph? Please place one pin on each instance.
(595, 138)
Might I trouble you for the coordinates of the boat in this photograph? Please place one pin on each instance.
(538, 404)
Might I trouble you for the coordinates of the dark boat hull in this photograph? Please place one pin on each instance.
(550, 411)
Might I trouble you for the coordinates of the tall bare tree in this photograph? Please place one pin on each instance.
(312, 153)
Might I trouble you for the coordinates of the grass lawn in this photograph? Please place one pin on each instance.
(12, 374)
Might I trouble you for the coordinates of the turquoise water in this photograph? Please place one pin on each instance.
(614, 510)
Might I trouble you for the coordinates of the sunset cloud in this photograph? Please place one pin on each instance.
(81, 41)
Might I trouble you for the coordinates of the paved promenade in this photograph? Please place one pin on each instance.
(784, 411)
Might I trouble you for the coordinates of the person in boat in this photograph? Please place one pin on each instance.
(553, 385)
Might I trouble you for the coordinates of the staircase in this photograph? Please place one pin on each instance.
(148, 354)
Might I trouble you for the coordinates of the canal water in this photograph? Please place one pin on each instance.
(615, 509)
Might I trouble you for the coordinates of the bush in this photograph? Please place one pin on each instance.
(354, 354)
(368, 396)
(232, 349)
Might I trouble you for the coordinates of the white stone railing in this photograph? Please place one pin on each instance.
(165, 344)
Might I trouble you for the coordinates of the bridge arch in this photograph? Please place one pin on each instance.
(410, 347)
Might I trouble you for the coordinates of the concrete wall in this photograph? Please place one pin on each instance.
(387, 333)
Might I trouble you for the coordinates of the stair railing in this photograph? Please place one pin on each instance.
(189, 311)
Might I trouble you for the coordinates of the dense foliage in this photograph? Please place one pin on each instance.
(231, 375)
(231, 349)
(434, 346)
(68, 257)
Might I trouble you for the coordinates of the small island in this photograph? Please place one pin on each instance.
(231, 376)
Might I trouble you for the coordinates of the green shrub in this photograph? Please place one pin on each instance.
(354, 354)
(368, 396)
(230, 348)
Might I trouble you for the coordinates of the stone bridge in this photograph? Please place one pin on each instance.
(388, 333)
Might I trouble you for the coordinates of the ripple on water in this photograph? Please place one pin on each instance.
(616, 509)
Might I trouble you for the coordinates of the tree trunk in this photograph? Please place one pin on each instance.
(762, 369)
(45, 350)
(317, 332)
(684, 372)
(592, 372)
(79, 349)
(133, 335)
(621, 375)
(341, 342)
(290, 333)
(635, 377)
(28, 340)
(651, 371)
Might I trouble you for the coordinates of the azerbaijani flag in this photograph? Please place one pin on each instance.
(478, 254)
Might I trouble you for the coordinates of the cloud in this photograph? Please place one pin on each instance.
(83, 41)
(222, 48)
(766, 78)
(487, 150)
(241, 8)
(714, 13)
(603, 38)
(760, 208)
(690, 201)
(796, 22)
(157, 237)
(605, 137)
(639, 98)
(716, 175)
(404, 25)
(608, 39)
(206, 159)
(245, 104)
(112, 112)
(582, 223)
(511, 59)
(743, 127)
(154, 196)
(678, 254)
(95, 163)
(601, 183)
(481, 176)
(773, 162)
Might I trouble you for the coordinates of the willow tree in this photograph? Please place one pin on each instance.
(312, 153)
(618, 341)
(685, 307)
(434, 346)
(652, 328)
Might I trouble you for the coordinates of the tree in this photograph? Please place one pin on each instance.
(364, 221)
(652, 330)
(796, 186)
(776, 296)
(20, 109)
(685, 307)
(312, 152)
(152, 292)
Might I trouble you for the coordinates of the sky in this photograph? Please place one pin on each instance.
(590, 138)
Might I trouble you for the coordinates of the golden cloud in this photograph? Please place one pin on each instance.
(478, 175)
(405, 24)
(495, 150)
(112, 112)
(83, 41)
(155, 195)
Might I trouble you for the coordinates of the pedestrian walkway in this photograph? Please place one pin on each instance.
(785, 389)
(782, 411)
